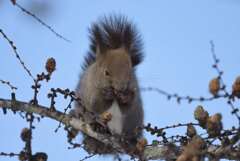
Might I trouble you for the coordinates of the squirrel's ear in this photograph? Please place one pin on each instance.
(99, 51)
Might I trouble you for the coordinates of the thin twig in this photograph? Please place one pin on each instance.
(29, 141)
(8, 154)
(179, 98)
(16, 53)
(8, 84)
(87, 157)
(41, 22)
(65, 111)
(220, 73)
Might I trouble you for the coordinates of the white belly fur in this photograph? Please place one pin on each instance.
(116, 123)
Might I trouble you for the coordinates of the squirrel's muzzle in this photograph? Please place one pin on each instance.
(124, 96)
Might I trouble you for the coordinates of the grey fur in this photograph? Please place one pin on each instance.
(110, 34)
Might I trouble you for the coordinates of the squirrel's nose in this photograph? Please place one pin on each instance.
(121, 85)
(124, 87)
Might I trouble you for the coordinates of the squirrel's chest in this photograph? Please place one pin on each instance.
(116, 122)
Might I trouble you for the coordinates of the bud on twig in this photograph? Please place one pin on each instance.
(25, 134)
(191, 131)
(201, 116)
(214, 125)
(214, 86)
(50, 65)
(236, 87)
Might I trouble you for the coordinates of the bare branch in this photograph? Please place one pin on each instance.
(8, 84)
(41, 22)
(180, 98)
(66, 119)
(8, 154)
(220, 73)
(150, 152)
(16, 53)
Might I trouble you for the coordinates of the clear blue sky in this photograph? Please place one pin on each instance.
(176, 35)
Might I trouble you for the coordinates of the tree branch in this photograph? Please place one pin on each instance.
(66, 119)
(165, 152)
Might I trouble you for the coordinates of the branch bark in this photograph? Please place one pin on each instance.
(166, 152)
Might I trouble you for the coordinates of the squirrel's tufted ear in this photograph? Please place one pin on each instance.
(98, 51)
(114, 32)
(136, 59)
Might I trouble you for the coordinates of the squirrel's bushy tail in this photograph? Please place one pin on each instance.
(112, 32)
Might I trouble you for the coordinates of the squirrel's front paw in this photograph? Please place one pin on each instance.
(125, 97)
(106, 117)
(108, 94)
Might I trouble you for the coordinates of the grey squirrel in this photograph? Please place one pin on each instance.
(108, 82)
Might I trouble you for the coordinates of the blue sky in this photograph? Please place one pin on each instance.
(176, 37)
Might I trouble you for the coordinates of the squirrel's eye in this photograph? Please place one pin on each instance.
(106, 73)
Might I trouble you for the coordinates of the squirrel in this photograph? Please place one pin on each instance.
(108, 82)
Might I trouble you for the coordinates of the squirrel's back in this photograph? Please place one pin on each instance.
(112, 32)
